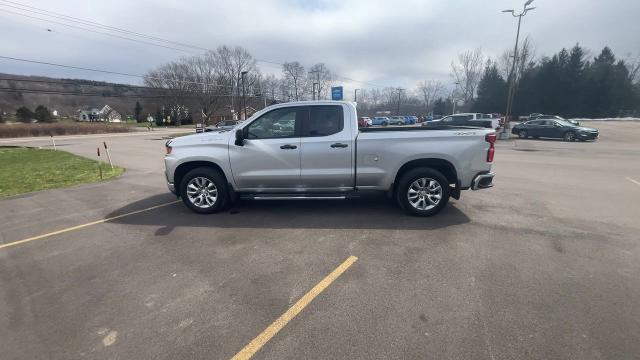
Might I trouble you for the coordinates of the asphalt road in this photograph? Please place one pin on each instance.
(546, 265)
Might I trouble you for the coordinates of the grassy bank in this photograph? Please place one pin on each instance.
(26, 170)
(60, 128)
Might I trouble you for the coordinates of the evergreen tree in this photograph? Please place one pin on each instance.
(24, 114)
(492, 92)
(137, 110)
(43, 114)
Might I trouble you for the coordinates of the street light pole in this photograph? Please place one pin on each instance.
(400, 90)
(316, 84)
(244, 100)
(512, 76)
(453, 100)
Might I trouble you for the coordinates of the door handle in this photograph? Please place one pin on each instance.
(288, 147)
(339, 145)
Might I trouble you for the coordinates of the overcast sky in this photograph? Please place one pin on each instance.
(386, 43)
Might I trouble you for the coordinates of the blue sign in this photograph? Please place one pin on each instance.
(336, 93)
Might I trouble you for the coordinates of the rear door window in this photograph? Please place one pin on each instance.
(323, 121)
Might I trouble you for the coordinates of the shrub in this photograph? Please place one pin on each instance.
(24, 114)
(57, 129)
(43, 114)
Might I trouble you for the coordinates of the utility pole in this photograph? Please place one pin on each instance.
(244, 100)
(355, 95)
(400, 90)
(512, 76)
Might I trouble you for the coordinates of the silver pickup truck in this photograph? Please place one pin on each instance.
(314, 150)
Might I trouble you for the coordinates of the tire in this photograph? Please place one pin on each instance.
(423, 185)
(569, 136)
(385, 123)
(200, 181)
(522, 134)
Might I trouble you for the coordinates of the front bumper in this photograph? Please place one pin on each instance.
(483, 181)
(587, 135)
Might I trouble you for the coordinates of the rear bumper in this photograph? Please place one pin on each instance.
(483, 181)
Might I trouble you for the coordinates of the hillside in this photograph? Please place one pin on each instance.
(68, 95)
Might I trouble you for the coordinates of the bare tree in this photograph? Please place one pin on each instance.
(467, 72)
(210, 84)
(375, 95)
(271, 86)
(429, 91)
(295, 77)
(389, 95)
(526, 56)
(633, 66)
(175, 77)
(320, 74)
(233, 62)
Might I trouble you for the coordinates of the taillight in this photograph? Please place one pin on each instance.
(491, 139)
(167, 147)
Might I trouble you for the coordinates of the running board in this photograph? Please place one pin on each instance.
(292, 197)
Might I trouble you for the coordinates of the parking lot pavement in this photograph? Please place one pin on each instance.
(545, 265)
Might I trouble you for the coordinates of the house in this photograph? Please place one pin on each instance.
(88, 114)
(94, 114)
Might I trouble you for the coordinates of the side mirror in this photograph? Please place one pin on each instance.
(239, 138)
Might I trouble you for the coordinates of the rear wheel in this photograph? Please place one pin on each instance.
(423, 192)
(569, 136)
(522, 134)
(204, 190)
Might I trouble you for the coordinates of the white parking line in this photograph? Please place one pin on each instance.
(633, 181)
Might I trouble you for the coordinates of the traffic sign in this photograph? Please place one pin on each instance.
(336, 93)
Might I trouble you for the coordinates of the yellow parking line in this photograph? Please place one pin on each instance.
(633, 181)
(39, 237)
(256, 344)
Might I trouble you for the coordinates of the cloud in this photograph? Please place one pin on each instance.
(389, 43)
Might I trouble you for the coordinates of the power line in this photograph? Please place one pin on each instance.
(68, 18)
(67, 93)
(93, 23)
(97, 32)
(111, 72)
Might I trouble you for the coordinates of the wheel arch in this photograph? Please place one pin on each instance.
(443, 166)
(187, 166)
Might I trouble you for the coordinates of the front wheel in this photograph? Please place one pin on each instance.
(569, 136)
(522, 134)
(204, 190)
(423, 192)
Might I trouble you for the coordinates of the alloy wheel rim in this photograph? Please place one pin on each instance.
(202, 192)
(424, 193)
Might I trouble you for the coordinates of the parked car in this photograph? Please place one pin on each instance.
(325, 156)
(410, 120)
(556, 128)
(226, 124)
(380, 120)
(554, 117)
(466, 119)
(397, 120)
(364, 122)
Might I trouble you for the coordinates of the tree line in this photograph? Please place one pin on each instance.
(222, 79)
(571, 83)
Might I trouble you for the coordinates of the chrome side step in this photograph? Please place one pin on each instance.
(296, 197)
